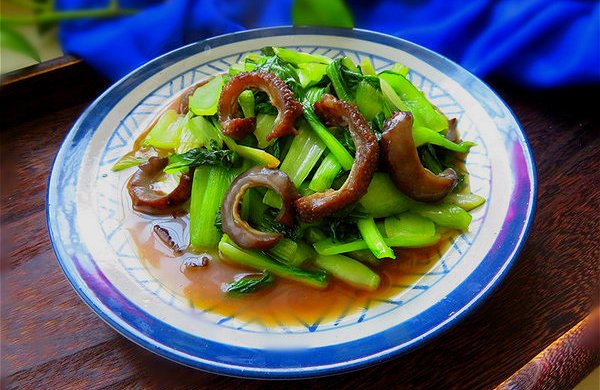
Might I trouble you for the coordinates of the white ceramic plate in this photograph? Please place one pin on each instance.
(97, 255)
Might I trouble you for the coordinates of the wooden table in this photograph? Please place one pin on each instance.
(51, 339)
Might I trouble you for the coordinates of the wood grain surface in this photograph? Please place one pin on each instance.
(552, 367)
(52, 340)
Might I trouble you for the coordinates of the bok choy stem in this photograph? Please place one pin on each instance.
(258, 261)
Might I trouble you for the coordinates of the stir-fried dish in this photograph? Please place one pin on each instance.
(298, 169)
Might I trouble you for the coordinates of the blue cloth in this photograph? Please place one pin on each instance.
(537, 43)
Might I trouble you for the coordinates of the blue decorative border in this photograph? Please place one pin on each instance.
(167, 341)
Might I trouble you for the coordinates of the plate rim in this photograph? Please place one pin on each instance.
(144, 341)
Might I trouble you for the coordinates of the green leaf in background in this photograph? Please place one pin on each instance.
(40, 7)
(13, 40)
(330, 13)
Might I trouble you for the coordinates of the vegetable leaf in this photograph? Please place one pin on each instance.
(276, 148)
(296, 57)
(283, 70)
(353, 78)
(342, 226)
(248, 284)
(128, 161)
(345, 81)
(377, 125)
(331, 13)
(263, 104)
(437, 159)
(200, 156)
(348, 142)
(219, 221)
(269, 224)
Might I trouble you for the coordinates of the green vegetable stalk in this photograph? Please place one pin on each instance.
(199, 184)
(303, 155)
(408, 223)
(203, 213)
(424, 113)
(335, 147)
(128, 161)
(383, 198)
(465, 201)
(348, 270)
(374, 239)
(165, 133)
(258, 261)
(422, 136)
(325, 174)
(264, 125)
(297, 58)
(246, 102)
(330, 247)
(205, 99)
(290, 252)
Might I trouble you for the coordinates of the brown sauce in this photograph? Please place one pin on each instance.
(285, 302)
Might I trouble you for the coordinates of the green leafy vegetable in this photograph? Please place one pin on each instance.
(422, 135)
(283, 70)
(187, 138)
(166, 131)
(349, 270)
(383, 198)
(400, 69)
(372, 236)
(366, 67)
(334, 71)
(370, 101)
(200, 156)
(465, 201)
(205, 132)
(263, 104)
(430, 159)
(330, 247)
(264, 125)
(303, 155)
(341, 227)
(259, 261)
(249, 284)
(445, 215)
(424, 113)
(348, 142)
(291, 252)
(408, 223)
(128, 161)
(342, 155)
(206, 200)
(297, 57)
(205, 99)
(267, 223)
(311, 73)
(437, 160)
(276, 148)
(325, 174)
(246, 101)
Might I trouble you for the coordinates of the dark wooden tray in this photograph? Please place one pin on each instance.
(52, 340)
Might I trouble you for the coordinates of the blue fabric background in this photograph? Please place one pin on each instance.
(540, 43)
